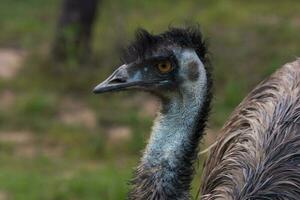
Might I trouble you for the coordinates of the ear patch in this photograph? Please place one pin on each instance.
(193, 71)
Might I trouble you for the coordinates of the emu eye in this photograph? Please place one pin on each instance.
(164, 67)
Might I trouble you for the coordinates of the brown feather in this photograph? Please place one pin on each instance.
(257, 155)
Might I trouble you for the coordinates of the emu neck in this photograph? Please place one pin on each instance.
(172, 132)
(166, 169)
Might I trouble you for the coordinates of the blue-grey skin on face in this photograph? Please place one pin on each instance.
(160, 73)
(151, 74)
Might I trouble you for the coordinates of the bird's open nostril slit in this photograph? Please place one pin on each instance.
(117, 80)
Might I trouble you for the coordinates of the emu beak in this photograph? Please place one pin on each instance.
(125, 77)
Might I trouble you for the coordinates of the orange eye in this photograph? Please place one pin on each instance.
(164, 67)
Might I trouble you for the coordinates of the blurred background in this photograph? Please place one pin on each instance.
(58, 141)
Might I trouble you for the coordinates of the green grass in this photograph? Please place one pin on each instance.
(44, 179)
(248, 41)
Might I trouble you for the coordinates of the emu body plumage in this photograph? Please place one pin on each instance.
(257, 155)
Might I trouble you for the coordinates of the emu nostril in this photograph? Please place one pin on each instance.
(117, 80)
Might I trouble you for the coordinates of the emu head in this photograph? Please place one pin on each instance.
(167, 64)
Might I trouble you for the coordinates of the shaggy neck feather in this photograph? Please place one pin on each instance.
(172, 130)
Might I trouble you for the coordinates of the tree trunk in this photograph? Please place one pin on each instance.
(73, 32)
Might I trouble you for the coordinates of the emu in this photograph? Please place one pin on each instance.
(258, 153)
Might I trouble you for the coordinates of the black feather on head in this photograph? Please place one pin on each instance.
(146, 43)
